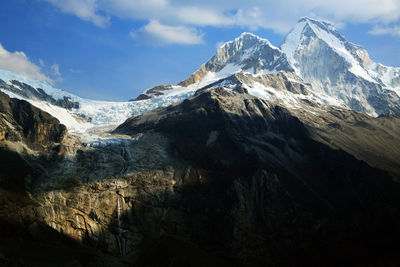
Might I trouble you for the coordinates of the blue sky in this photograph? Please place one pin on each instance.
(114, 50)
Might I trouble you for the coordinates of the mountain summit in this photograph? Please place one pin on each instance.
(321, 56)
(247, 53)
(314, 55)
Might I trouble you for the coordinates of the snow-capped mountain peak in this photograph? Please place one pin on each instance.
(313, 54)
(306, 37)
(308, 32)
(248, 39)
(322, 57)
(247, 53)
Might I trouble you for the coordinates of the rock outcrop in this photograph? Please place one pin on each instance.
(153, 92)
(22, 122)
(28, 92)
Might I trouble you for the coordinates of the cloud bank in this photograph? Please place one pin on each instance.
(156, 33)
(388, 30)
(181, 19)
(83, 9)
(19, 63)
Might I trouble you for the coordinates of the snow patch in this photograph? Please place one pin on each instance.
(293, 41)
(211, 77)
(340, 48)
(289, 99)
(97, 112)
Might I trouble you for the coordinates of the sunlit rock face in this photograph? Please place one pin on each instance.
(21, 122)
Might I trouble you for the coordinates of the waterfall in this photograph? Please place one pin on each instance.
(120, 230)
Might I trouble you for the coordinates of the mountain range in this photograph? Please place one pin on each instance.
(281, 156)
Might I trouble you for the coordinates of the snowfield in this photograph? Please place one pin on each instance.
(246, 54)
(100, 112)
(97, 113)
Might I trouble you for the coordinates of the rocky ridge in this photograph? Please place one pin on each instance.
(32, 128)
(313, 53)
(27, 91)
(317, 54)
(322, 57)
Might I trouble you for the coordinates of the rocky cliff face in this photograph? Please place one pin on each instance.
(21, 122)
(31, 140)
(249, 183)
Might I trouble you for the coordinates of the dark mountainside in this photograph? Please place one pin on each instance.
(275, 195)
(223, 178)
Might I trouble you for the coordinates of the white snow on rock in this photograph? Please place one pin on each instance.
(211, 77)
(100, 112)
(289, 99)
(294, 43)
(339, 47)
(251, 54)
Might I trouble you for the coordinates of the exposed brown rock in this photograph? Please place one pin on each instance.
(155, 91)
(2, 132)
(24, 122)
(196, 76)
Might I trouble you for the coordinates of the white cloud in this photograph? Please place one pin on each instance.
(156, 33)
(84, 9)
(359, 10)
(19, 63)
(381, 30)
(135, 9)
(203, 16)
(279, 16)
